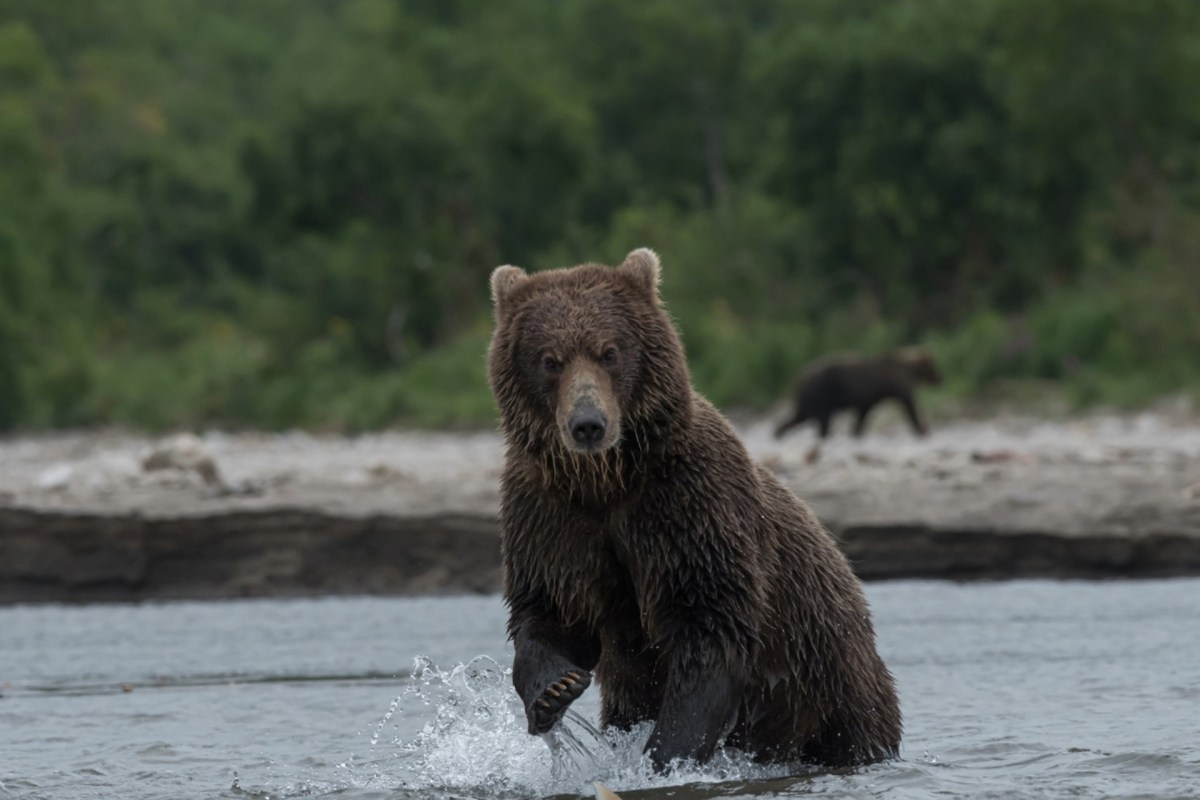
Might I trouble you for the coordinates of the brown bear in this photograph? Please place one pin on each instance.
(849, 382)
(641, 541)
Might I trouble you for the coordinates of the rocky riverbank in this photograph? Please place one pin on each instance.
(114, 516)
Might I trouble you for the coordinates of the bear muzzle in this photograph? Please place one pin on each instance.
(586, 421)
(587, 425)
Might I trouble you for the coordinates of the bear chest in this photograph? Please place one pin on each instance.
(598, 582)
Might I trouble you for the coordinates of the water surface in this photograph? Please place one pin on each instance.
(1023, 689)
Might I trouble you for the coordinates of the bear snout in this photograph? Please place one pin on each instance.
(588, 425)
(589, 418)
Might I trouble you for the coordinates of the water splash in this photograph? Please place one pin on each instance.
(476, 741)
(477, 744)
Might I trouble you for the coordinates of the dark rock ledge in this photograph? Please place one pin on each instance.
(53, 556)
(95, 517)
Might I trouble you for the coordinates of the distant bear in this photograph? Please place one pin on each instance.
(832, 385)
(641, 541)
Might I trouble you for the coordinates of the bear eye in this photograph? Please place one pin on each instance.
(609, 356)
(552, 365)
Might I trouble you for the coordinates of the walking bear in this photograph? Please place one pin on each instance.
(641, 543)
(832, 385)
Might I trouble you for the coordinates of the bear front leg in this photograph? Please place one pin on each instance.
(914, 416)
(699, 709)
(547, 682)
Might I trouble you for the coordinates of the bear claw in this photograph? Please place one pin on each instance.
(555, 698)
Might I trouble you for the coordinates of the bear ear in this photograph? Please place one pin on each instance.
(504, 280)
(643, 265)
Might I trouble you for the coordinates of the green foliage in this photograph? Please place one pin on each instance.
(274, 214)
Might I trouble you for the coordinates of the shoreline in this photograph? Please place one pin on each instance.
(111, 516)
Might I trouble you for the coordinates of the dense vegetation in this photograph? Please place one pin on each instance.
(274, 213)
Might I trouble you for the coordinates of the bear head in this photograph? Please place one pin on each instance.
(584, 360)
(920, 365)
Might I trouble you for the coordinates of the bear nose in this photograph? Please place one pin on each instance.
(588, 425)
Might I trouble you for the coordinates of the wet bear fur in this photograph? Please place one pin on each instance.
(641, 542)
(859, 384)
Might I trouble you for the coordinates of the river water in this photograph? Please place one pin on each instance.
(1021, 689)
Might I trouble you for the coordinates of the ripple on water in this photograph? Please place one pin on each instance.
(1014, 690)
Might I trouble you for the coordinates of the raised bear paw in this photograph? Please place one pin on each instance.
(545, 711)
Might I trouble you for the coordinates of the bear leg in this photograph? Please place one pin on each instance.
(860, 423)
(914, 416)
(798, 417)
(546, 681)
(699, 709)
(630, 691)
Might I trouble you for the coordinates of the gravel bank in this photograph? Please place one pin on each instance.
(114, 516)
